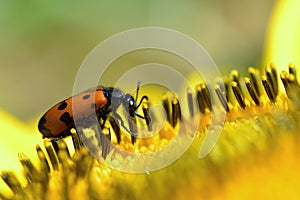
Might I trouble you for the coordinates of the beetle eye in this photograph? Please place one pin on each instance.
(131, 103)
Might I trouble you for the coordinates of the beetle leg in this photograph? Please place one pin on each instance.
(144, 97)
(120, 119)
(140, 116)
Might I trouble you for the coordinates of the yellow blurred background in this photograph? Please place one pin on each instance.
(42, 44)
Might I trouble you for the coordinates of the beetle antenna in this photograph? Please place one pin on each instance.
(144, 97)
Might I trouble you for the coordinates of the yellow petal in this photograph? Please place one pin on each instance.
(283, 37)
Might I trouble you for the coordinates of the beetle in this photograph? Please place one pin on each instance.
(59, 119)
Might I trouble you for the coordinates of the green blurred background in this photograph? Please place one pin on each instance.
(42, 44)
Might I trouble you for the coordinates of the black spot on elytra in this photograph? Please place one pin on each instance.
(46, 132)
(62, 105)
(66, 118)
(86, 96)
(42, 121)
